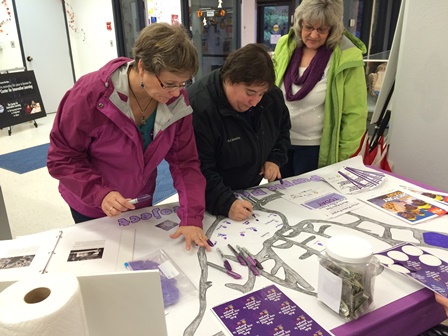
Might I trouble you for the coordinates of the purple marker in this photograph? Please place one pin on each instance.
(140, 199)
(257, 263)
(209, 242)
(281, 180)
(247, 255)
(224, 260)
(237, 255)
(249, 261)
(222, 269)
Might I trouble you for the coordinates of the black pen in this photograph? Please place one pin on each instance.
(237, 255)
(224, 270)
(246, 255)
(257, 263)
(251, 266)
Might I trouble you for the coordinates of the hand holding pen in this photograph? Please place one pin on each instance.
(113, 204)
(139, 199)
(240, 210)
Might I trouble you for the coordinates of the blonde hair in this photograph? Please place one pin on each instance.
(324, 12)
(161, 46)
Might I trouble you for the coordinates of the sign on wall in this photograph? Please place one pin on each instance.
(20, 100)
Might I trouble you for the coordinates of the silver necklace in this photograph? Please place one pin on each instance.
(142, 111)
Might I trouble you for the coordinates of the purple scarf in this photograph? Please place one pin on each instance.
(310, 77)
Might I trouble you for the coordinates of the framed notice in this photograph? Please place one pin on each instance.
(20, 100)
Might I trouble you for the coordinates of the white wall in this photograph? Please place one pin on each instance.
(419, 124)
(248, 22)
(92, 44)
(10, 57)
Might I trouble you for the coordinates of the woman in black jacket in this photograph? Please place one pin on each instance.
(241, 124)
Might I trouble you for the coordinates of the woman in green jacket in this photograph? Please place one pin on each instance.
(320, 69)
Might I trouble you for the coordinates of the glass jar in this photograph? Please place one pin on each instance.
(347, 271)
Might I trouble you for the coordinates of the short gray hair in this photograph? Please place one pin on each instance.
(161, 46)
(325, 12)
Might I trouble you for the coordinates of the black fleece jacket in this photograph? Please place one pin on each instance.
(230, 150)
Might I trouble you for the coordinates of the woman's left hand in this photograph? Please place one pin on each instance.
(192, 234)
(270, 171)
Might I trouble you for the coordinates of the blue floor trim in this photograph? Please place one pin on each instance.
(25, 160)
(164, 183)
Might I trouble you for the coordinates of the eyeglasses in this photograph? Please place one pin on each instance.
(172, 86)
(320, 30)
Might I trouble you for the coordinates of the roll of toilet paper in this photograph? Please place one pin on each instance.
(46, 305)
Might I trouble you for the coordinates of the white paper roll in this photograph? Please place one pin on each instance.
(45, 305)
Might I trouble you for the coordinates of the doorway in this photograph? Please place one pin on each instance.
(215, 31)
(274, 19)
(129, 17)
(51, 60)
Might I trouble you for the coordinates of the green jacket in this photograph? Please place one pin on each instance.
(345, 117)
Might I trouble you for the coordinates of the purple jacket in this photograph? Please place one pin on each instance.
(95, 148)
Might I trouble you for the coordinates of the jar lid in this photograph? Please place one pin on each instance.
(349, 249)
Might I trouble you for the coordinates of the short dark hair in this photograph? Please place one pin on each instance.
(250, 64)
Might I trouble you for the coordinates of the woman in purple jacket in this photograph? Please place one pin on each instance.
(116, 125)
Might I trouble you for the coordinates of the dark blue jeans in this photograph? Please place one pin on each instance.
(79, 218)
(301, 159)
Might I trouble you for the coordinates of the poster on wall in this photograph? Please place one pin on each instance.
(20, 99)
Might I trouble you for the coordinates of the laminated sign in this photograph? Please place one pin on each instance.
(20, 99)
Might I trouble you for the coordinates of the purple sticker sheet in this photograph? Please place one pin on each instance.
(267, 312)
(421, 266)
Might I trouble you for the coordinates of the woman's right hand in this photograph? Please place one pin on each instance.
(240, 210)
(114, 204)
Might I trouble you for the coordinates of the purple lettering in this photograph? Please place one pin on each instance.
(155, 213)
(123, 222)
(145, 216)
(166, 212)
(327, 201)
(134, 219)
(258, 192)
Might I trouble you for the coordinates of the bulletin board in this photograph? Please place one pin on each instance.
(20, 99)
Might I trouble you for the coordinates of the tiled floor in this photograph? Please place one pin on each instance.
(32, 200)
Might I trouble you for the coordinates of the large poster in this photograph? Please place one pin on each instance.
(20, 100)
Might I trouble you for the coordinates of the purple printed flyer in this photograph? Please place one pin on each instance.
(267, 312)
(417, 264)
